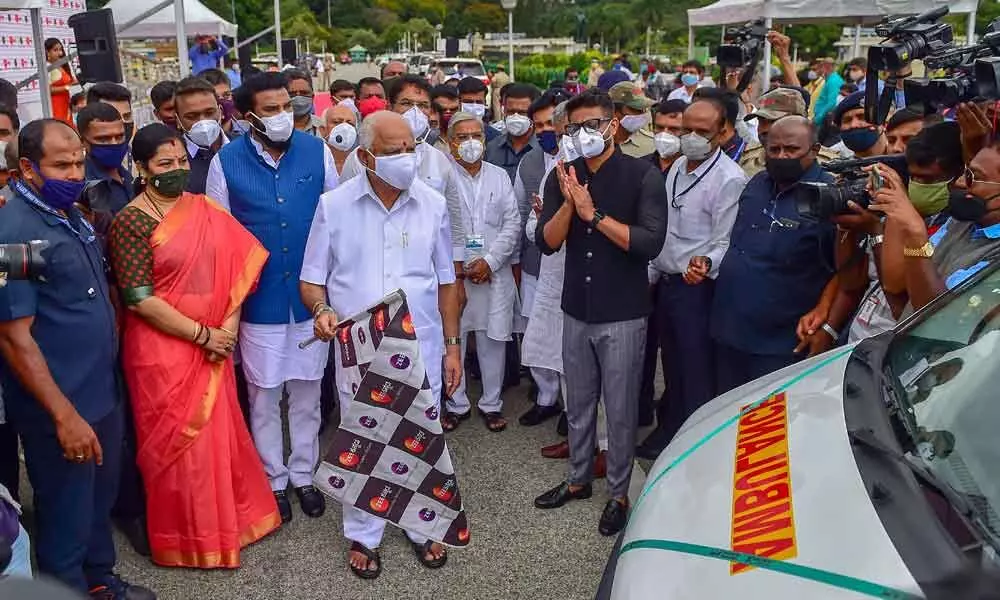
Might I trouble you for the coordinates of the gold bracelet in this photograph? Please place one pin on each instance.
(226, 330)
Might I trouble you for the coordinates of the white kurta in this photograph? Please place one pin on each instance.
(489, 212)
(542, 344)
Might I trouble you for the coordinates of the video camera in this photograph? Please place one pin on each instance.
(742, 48)
(820, 201)
(22, 261)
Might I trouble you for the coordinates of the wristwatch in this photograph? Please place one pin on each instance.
(830, 331)
(598, 217)
(875, 240)
(452, 341)
(925, 251)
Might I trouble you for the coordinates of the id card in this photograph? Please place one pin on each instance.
(474, 247)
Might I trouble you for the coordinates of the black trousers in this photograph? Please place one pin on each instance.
(131, 501)
(10, 463)
(736, 367)
(647, 402)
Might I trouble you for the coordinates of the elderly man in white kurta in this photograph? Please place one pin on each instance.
(382, 231)
(492, 227)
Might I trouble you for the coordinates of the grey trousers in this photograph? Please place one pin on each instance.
(603, 360)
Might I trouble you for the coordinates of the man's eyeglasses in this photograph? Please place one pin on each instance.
(463, 137)
(970, 179)
(408, 104)
(591, 124)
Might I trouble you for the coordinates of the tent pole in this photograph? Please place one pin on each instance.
(40, 62)
(765, 83)
(277, 31)
(690, 42)
(970, 28)
(182, 52)
(253, 38)
(856, 49)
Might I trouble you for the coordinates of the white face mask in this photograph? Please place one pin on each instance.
(397, 170)
(204, 133)
(667, 144)
(569, 153)
(277, 128)
(517, 125)
(417, 121)
(474, 109)
(470, 151)
(633, 123)
(696, 147)
(343, 136)
(589, 143)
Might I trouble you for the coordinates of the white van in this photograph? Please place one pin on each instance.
(869, 471)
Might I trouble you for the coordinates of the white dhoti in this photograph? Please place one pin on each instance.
(273, 363)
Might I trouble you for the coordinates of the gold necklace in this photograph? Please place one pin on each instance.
(154, 205)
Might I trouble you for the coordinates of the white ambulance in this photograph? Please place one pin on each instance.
(872, 471)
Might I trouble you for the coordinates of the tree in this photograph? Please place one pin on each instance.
(363, 37)
(483, 17)
(422, 30)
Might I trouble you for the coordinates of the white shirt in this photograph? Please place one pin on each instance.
(217, 189)
(436, 170)
(680, 93)
(701, 210)
(362, 251)
(193, 148)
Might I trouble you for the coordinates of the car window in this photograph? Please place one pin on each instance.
(469, 69)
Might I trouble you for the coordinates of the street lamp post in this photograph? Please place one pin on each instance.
(509, 6)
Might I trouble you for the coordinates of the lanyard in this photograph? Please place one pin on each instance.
(85, 233)
(718, 155)
(739, 151)
(477, 186)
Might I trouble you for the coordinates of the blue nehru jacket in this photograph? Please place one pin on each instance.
(277, 206)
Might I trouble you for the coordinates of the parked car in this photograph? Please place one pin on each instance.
(466, 67)
(870, 471)
(345, 58)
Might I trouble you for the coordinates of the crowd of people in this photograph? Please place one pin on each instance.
(582, 233)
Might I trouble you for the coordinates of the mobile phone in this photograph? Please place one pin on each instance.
(875, 180)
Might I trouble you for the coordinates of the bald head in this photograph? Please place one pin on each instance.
(791, 136)
(384, 133)
(339, 113)
(393, 68)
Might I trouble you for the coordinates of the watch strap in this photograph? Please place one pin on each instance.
(598, 217)
(830, 330)
(925, 251)
(452, 341)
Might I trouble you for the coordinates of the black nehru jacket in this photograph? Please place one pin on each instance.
(604, 283)
(199, 170)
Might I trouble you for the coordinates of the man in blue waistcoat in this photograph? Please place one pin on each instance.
(271, 181)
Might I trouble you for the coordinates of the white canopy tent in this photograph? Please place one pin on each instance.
(36, 6)
(198, 19)
(852, 12)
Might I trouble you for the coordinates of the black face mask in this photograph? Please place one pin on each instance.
(966, 207)
(784, 170)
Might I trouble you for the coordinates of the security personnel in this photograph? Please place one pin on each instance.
(64, 403)
(777, 103)
(632, 111)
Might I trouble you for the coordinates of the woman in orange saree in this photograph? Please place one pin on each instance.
(185, 266)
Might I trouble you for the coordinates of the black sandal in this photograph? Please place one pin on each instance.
(494, 421)
(372, 556)
(422, 550)
(450, 421)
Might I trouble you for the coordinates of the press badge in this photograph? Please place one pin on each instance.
(474, 247)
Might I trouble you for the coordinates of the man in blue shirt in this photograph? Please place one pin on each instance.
(233, 72)
(778, 264)
(206, 52)
(64, 403)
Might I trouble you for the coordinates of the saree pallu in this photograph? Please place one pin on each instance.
(207, 495)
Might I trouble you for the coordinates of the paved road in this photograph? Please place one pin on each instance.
(516, 551)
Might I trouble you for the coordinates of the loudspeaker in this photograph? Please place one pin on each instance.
(290, 51)
(451, 47)
(97, 46)
(245, 56)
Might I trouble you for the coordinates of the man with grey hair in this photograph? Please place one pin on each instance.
(492, 235)
(404, 228)
(532, 169)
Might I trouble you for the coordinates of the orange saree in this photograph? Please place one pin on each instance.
(207, 495)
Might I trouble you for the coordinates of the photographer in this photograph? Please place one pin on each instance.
(778, 266)
(861, 137)
(206, 52)
(902, 126)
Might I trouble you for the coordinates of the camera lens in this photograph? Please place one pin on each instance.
(820, 201)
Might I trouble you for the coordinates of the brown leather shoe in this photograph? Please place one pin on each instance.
(600, 465)
(560, 450)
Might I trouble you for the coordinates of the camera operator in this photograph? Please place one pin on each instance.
(861, 137)
(778, 265)
(967, 242)
(933, 159)
(206, 52)
(902, 126)
(780, 45)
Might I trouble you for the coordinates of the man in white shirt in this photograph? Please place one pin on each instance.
(410, 96)
(492, 235)
(200, 119)
(271, 180)
(692, 74)
(703, 191)
(379, 232)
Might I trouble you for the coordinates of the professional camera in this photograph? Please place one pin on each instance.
(22, 261)
(909, 38)
(820, 201)
(742, 45)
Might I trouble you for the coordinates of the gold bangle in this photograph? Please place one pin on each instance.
(226, 330)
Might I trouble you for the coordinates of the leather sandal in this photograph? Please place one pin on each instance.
(494, 421)
(422, 550)
(372, 556)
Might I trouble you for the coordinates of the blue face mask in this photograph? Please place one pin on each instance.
(60, 194)
(109, 156)
(860, 139)
(689, 79)
(548, 141)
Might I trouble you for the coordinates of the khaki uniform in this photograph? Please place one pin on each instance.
(752, 161)
(639, 144)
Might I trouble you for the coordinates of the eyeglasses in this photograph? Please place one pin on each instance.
(462, 137)
(408, 104)
(970, 179)
(591, 124)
